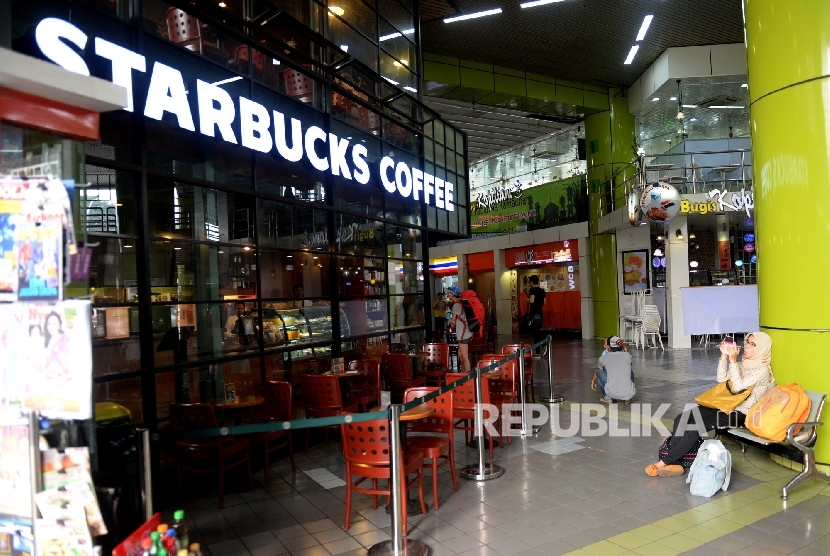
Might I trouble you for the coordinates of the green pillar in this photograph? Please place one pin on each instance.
(609, 138)
(789, 91)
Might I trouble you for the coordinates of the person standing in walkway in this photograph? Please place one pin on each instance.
(458, 322)
(535, 301)
(439, 313)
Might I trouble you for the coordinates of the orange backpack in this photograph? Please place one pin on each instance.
(778, 408)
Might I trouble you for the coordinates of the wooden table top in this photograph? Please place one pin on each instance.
(238, 403)
(418, 412)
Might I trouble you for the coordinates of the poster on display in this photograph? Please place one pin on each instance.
(33, 213)
(507, 210)
(53, 343)
(635, 271)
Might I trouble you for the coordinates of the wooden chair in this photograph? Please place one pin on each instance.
(206, 456)
(367, 456)
(464, 409)
(323, 399)
(436, 363)
(397, 373)
(366, 391)
(276, 408)
(184, 30)
(438, 443)
(530, 392)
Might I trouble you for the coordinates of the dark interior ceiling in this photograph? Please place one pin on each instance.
(582, 40)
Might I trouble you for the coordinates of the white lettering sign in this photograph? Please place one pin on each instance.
(219, 114)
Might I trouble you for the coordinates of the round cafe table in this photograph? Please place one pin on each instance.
(343, 378)
(234, 407)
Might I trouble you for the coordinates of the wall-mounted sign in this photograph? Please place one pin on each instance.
(660, 202)
(716, 200)
(445, 265)
(237, 120)
(554, 252)
(484, 200)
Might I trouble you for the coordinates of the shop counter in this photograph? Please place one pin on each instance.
(719, 309)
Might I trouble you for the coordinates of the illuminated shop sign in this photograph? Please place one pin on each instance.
(218, 114)
(445, 265)
(717, 201)
(533, 256)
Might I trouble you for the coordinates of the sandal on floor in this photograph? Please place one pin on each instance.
(670, 471)
(652, 470)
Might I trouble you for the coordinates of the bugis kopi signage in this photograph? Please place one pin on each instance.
(237, 120)
(716, 200)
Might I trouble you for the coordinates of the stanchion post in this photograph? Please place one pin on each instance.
(525, 431)
(552, 398)
(482, 471)
(398, 546)
(146, 474)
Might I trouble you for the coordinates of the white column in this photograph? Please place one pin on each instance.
(677, 276)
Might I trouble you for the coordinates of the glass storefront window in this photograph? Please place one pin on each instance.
(406, 311)
(292, 227)
(112, 270)
(406, 277)
(359, 236)
(295, 275)
(366, 316)
(358, 276)
(403, 242)
(108, 204)
(115, 340)
(126, 392)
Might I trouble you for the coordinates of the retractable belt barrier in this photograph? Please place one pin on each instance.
(481, 471)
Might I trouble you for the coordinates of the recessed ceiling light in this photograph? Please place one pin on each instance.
(344, 47)
(246, 248)
(177, 248)
(222, 5)
(655, 99)
(693, 120)
(290, 256)
(128, 246)
(473, 15)
(672, 98)
(743, 85)
(337, 10)
(644, 27)
(631, 54)
(537, 3)
(396, 35)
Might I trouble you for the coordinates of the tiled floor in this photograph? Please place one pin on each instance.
(581, 495)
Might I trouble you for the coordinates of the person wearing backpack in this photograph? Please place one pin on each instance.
(458, 322)
(754, 372)
(535, 301)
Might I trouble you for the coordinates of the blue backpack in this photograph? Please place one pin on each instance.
(711, 470)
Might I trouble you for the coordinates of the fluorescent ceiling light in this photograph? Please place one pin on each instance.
(693, 120)
(672, 98)
(690, 106)
(344, 47)
(726, 107)
(644, 27)
(231, 80)
(410, 89)
(743, 85)
(275, 62)
(396, 35)
(537, 3)
(631, 54)
(391, 81)
(473, 15)
(655, 99)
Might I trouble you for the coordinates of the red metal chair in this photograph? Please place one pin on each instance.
(184, 30)
(240, 56)
(323, 399)
(206, 456)
(505, 389)
(298, 85)
(366, 391)
(369, 120)
(463, 406)
(438, 444)
(367, 455)
(530, 392)
(276, 408)
(397, 373)
(436, 363)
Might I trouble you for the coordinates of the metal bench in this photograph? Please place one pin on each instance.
(797, 447)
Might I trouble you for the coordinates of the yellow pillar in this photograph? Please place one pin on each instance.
(788, 59)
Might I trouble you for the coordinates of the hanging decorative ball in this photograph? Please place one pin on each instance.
(660, 202)
(749, 247)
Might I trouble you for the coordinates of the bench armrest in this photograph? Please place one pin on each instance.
(791, 431)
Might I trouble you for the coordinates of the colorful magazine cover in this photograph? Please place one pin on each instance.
(52, 342)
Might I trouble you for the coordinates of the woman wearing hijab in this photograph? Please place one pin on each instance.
(753, 371)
